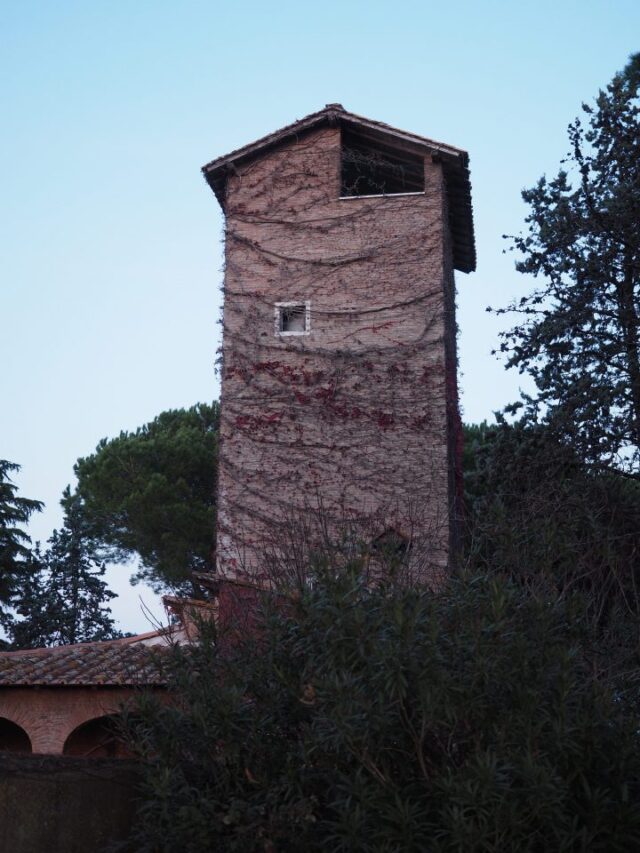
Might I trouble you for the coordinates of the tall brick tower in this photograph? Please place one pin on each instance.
(339, 393)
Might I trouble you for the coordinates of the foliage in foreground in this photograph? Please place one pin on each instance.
(393, 719)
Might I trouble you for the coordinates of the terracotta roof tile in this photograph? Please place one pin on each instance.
(89, 664)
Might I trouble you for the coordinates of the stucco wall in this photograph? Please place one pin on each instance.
(353, 417)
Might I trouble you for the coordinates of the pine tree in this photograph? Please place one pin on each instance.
(580, 332)
(15, 554)
(64, 600)
(150, 494)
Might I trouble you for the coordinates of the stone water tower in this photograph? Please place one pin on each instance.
(339, 391)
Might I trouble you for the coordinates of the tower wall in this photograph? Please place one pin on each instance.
(349, 425)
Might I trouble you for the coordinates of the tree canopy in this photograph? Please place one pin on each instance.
(151, 494)
(63, 599)
(579, 333)
(15, 553)
(536, 514)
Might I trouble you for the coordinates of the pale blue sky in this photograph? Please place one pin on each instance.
(110, 240)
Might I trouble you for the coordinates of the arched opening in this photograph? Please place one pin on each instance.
(388, 554)
(391, 545)
(97, 738)
(13, 737)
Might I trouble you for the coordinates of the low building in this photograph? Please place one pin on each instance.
(64, 700)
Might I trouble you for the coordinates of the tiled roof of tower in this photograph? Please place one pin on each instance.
(455, 163)
(107, 664)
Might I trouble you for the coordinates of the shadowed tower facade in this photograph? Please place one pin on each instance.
(339, 404)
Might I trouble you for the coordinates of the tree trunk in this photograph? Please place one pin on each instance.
(629, 323)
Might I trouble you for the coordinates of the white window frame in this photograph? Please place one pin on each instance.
(381, 195)
(307, 318)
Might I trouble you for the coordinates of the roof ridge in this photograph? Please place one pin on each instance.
(336, 111)
(43, 651)
(455, 166)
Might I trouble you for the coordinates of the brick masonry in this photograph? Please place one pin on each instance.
(356, 422)
(50, 692)
(50, 714)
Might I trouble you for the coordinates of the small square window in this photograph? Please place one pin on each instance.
(293, 318)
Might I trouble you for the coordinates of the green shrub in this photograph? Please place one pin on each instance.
(392, 719)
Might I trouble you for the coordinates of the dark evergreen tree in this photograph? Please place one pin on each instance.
(536, 514)
(151, 494)
(63, 600)
(579, 334)
(15, 554)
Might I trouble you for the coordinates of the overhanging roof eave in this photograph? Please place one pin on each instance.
(455, 162)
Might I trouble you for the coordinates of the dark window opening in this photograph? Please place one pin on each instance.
(371, 168)
(391, 545)
(13, 738)
(98, 738)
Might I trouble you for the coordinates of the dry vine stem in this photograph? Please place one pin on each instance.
(355, 419)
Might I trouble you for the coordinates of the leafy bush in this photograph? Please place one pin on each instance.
(392, 719)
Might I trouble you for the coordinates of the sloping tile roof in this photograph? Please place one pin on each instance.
(108, 664)
(455, 163)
